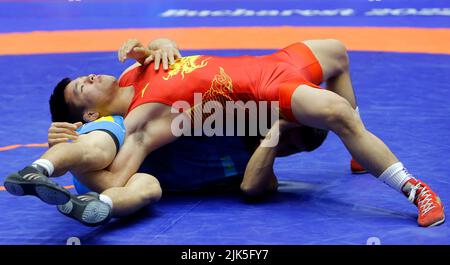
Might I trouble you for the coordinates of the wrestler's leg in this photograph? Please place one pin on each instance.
(334, 62)
(95, 209)
(84, 154)
(326, 110)
(333, 59)
(90, 152)
(33, 180)
(127, 200)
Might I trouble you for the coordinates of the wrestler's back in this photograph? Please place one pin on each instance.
(233, 78)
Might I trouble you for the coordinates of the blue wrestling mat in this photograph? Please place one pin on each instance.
(404, 98)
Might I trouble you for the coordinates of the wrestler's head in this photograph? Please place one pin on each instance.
(85, 98)
(301, 139)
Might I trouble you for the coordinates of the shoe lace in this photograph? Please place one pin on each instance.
(424, 200)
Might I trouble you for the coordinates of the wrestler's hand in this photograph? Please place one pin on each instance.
(61, 132)
(133, 49)
(163, 51)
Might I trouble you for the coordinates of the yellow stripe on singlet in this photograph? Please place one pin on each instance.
(106, 118)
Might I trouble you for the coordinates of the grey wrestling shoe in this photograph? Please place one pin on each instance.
(30, 181)
(88, 209)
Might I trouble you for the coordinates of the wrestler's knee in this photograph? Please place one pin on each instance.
(148, 189)
(154, 193)
(341, 118)
(339, 52)
(93, 157)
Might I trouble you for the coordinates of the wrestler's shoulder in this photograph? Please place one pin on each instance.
(114, 125)
(103, 122)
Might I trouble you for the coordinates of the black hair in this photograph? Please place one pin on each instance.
(60, 110)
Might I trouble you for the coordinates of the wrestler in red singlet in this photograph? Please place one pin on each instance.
(260, 78)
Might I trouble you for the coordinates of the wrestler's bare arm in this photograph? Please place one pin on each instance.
(148, 128)
(259, 177)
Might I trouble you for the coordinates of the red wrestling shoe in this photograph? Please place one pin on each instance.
(431, 210)
(356, 168)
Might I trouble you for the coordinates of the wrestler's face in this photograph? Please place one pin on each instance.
(92, 92)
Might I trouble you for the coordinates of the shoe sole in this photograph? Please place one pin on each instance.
(95, 213)
(437, 223)
(46, 192)
(360, 172)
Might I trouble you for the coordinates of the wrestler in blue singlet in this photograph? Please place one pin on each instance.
(189, 163)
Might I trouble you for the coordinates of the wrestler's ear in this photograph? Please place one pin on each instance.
(89, 115)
